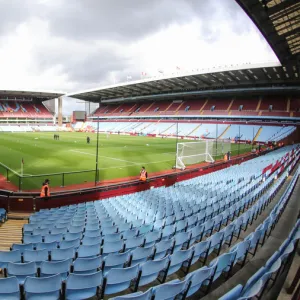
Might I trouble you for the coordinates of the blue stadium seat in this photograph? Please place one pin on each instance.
(163, 248)
(22, 247)
(87, 265)
(182, 240)
(224, 263)
(87, 240)
(201, 252)
(49, 268)
(21, 271)
(70, 243)
(199, 278)
(48, 246)
(9, 256)
(36, 256)
(180, 259)
(151, 269)
(115, 260)
(92, 233)
(169, 290)
(53, 237)
(112, 237)
(141, 254)
(9, 288)
(88, 250)
(134, 242)
(42, 288)
(112, 247)
(241, 250)
(32, 239)
(118, 280)
(152, 237)
(83, 286)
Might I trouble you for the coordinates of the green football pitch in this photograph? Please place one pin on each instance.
(119, 156)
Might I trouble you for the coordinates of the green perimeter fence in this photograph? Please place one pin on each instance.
(62, 179)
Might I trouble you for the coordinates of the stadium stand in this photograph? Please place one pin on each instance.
(260, 106)
(230, 234)
(126, 243)
(18, 109)
(259, 133)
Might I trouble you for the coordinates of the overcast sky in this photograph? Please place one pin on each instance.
(71, 45)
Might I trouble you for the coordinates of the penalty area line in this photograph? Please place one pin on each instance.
(113, 158)
(123, 166)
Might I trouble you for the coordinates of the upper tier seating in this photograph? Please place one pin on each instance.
(256, 106)
(247, 104)
(18, 109)
(132, 240)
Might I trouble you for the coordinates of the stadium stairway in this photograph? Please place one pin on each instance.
(11, 230)
(201, 109)
(227, 128)
(173, 124)
(230, 105)
(190, 133)
(257, 134)
(258, 104)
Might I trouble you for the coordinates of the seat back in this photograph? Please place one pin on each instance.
(83, 286)
(118, 280)
(49, 287)
(49, 268)
(9, 256)
(170, 290)
(9, 288)
(87, 265)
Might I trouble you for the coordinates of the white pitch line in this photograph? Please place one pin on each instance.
(131, 162)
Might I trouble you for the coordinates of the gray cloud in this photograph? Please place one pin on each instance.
(87, 66)
(87, 37)
(15, 12)
(134, 19)
(119, 23)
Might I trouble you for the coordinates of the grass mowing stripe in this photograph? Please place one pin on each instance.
(113, 158)
(119, 156)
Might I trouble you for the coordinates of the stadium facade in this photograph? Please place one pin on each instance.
(227, 231)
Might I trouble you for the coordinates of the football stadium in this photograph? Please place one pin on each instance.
(178, 186)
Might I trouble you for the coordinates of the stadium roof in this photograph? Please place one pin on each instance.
(37, 95)
(214, 79)
(279, 22)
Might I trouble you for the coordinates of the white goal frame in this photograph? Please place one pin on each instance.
(206, 155)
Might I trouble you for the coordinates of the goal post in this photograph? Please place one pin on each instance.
(194, 152)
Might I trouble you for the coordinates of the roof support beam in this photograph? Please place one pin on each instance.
(279, 7)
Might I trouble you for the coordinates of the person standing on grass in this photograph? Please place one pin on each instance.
(225, 157)
(88, 140)
(45, 192)
(228, 155)
(143, 174)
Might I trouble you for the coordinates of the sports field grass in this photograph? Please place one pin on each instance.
(119, 156)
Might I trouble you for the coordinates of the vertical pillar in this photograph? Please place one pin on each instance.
(60, 111)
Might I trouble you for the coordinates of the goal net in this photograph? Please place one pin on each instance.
(221, 147)
(193, 153)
